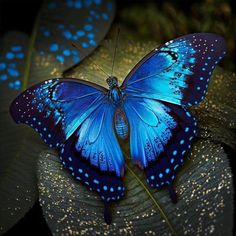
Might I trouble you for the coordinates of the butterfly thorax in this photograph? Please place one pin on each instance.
(115, 94)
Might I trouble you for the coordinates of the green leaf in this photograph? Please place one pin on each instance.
(85, 23)
(204, 185)
(19, 144)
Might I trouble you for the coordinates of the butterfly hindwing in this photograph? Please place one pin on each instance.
(108, 186)
(156, 132)
(163, 171)
(97, 140)
(179, 71)
(89, 162)
(160, 136)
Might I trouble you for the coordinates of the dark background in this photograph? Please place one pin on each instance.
(20, 15)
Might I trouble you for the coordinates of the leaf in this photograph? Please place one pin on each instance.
(217, 113)
(24, 62)
(204, 185)
(19, 144)
(62, 22)
(205, 203)
(17, 162)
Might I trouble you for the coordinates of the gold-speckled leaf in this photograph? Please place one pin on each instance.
(204, 185)
(205, 205)
(217, 113)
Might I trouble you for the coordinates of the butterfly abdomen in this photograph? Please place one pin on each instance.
(121, 124)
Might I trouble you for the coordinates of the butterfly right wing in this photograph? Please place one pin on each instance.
(160, 135)
(157, 129)
(158, 90)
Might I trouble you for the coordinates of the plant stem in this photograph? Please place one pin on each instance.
(30, 54)
(152, 198)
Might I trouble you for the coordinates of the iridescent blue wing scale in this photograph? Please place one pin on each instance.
(158, 90)
(163, 171)
(108, 185)
(159, 138)
(97, 137)
(55, 108)
(158, 129)
(97, 163)
(73, 115)
(179, 71)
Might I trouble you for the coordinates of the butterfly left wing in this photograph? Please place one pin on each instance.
(179, 71)
(160, 135)
(76, 117)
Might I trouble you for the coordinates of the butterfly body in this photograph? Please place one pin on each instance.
(117, 96)
(82, 120)
(121, 124)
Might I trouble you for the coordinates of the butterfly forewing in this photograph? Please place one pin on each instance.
(179, 71)
(52, 108)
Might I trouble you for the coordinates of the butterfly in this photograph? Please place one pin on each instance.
(84, 121)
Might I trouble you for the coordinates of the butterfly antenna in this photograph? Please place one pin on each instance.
(75, 46)
(114, 55)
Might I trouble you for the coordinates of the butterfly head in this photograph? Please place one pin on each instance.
(112, 82)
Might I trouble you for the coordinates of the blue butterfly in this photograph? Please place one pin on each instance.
(83, 120)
